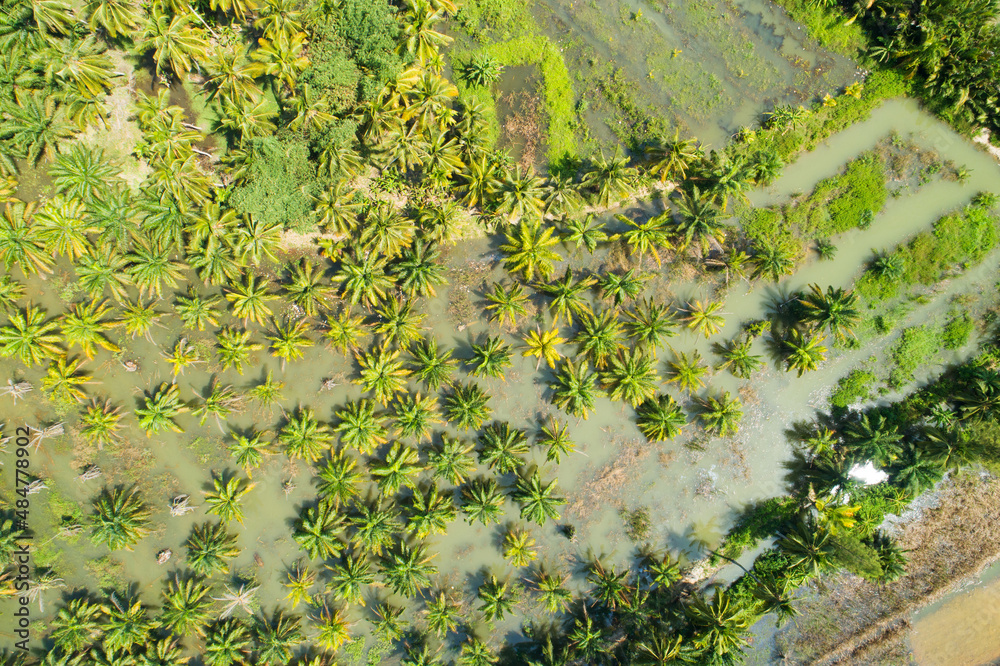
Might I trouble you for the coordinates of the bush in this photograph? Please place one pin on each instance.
(828, 26)
(916, 346)
(858, 385)
(856, 556)
(957, 331)
(637, 523)
(757, 521)
(842, 202)
(279, 184)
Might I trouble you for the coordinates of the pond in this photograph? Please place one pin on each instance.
(691, 492)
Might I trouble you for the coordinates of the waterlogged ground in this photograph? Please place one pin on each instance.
(691, 494)
(711, 66)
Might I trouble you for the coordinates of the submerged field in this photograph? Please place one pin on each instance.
(308, 364)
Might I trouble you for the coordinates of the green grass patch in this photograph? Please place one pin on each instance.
(858, 385)
(828, 26)
(843, 202)
(917, 346)
(956, 332)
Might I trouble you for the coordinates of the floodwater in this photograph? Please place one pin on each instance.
(711, 66)
(963, 629)
(691, 495)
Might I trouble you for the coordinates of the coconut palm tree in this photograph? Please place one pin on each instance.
(506, 303)
(482, 500)
(63, 380)
(415, 416)
(34, 124)
(138, 319)
(398, 323)
(227, 641)
(399, 468)
(300, 582)
(452, 460)
(100, 424)
(173, 41)
(807, 545)
(276, 637)
(721, 625)
(527, 250)
(249, 451)
(234, 348)
(11, 291)
(620, 288)
(419, 271)
(631, 376)
(575, 388)
(209, 549)
(584, 232)
(382, 373)
(419, 34)
(721, 415)
(126, 624)
(671, 158)
(552, 590)
(648, 324)
(186, 603)
(874, 439)
(333, 628)
(306, 288)
(502, 447)
(20, 242)
(103, 272)
(837, 310)
(29, 337)
(518, 547)
(250, 299)
(600, 337)
(289, 340)
(700, 220)
(375, 526)
(160, 409)
(361, 427)
(82, 173)
(115, 17)
(318, 530)
(220, 402)
(536, 498)
(364, 280)
(224, 500)
(349, 578)
(498, 598)
(430, 366)
(184, 355)
(705, 318)
(442, 613)
(466, 406)
(62, 226)
(687, 372)
(660, 419)
(737, 357)
(339, 479)
(304, 437)
(151, 268)
(197, 312)
(568, 296)
(774, 259)
(609, 179)
(647, 237)
(917, 470)
(407, 569)
(543, 346)
(803, 353)
(490, 359)
(77, 624)
(520, 195)
(430, 511)
(482, 70)
(120, 518)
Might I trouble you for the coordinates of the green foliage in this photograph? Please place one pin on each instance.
(827, 25)
(856, 556)
(278, 185)
(369, 30)
(757, 521)
(636, 523)
(956, 332)
(916, 346)
(858, 385)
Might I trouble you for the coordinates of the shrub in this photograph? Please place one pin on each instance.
(637, 523)
(916, 346)
(279, 183)
(757, 521)
(858, 385)
(957, 331)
